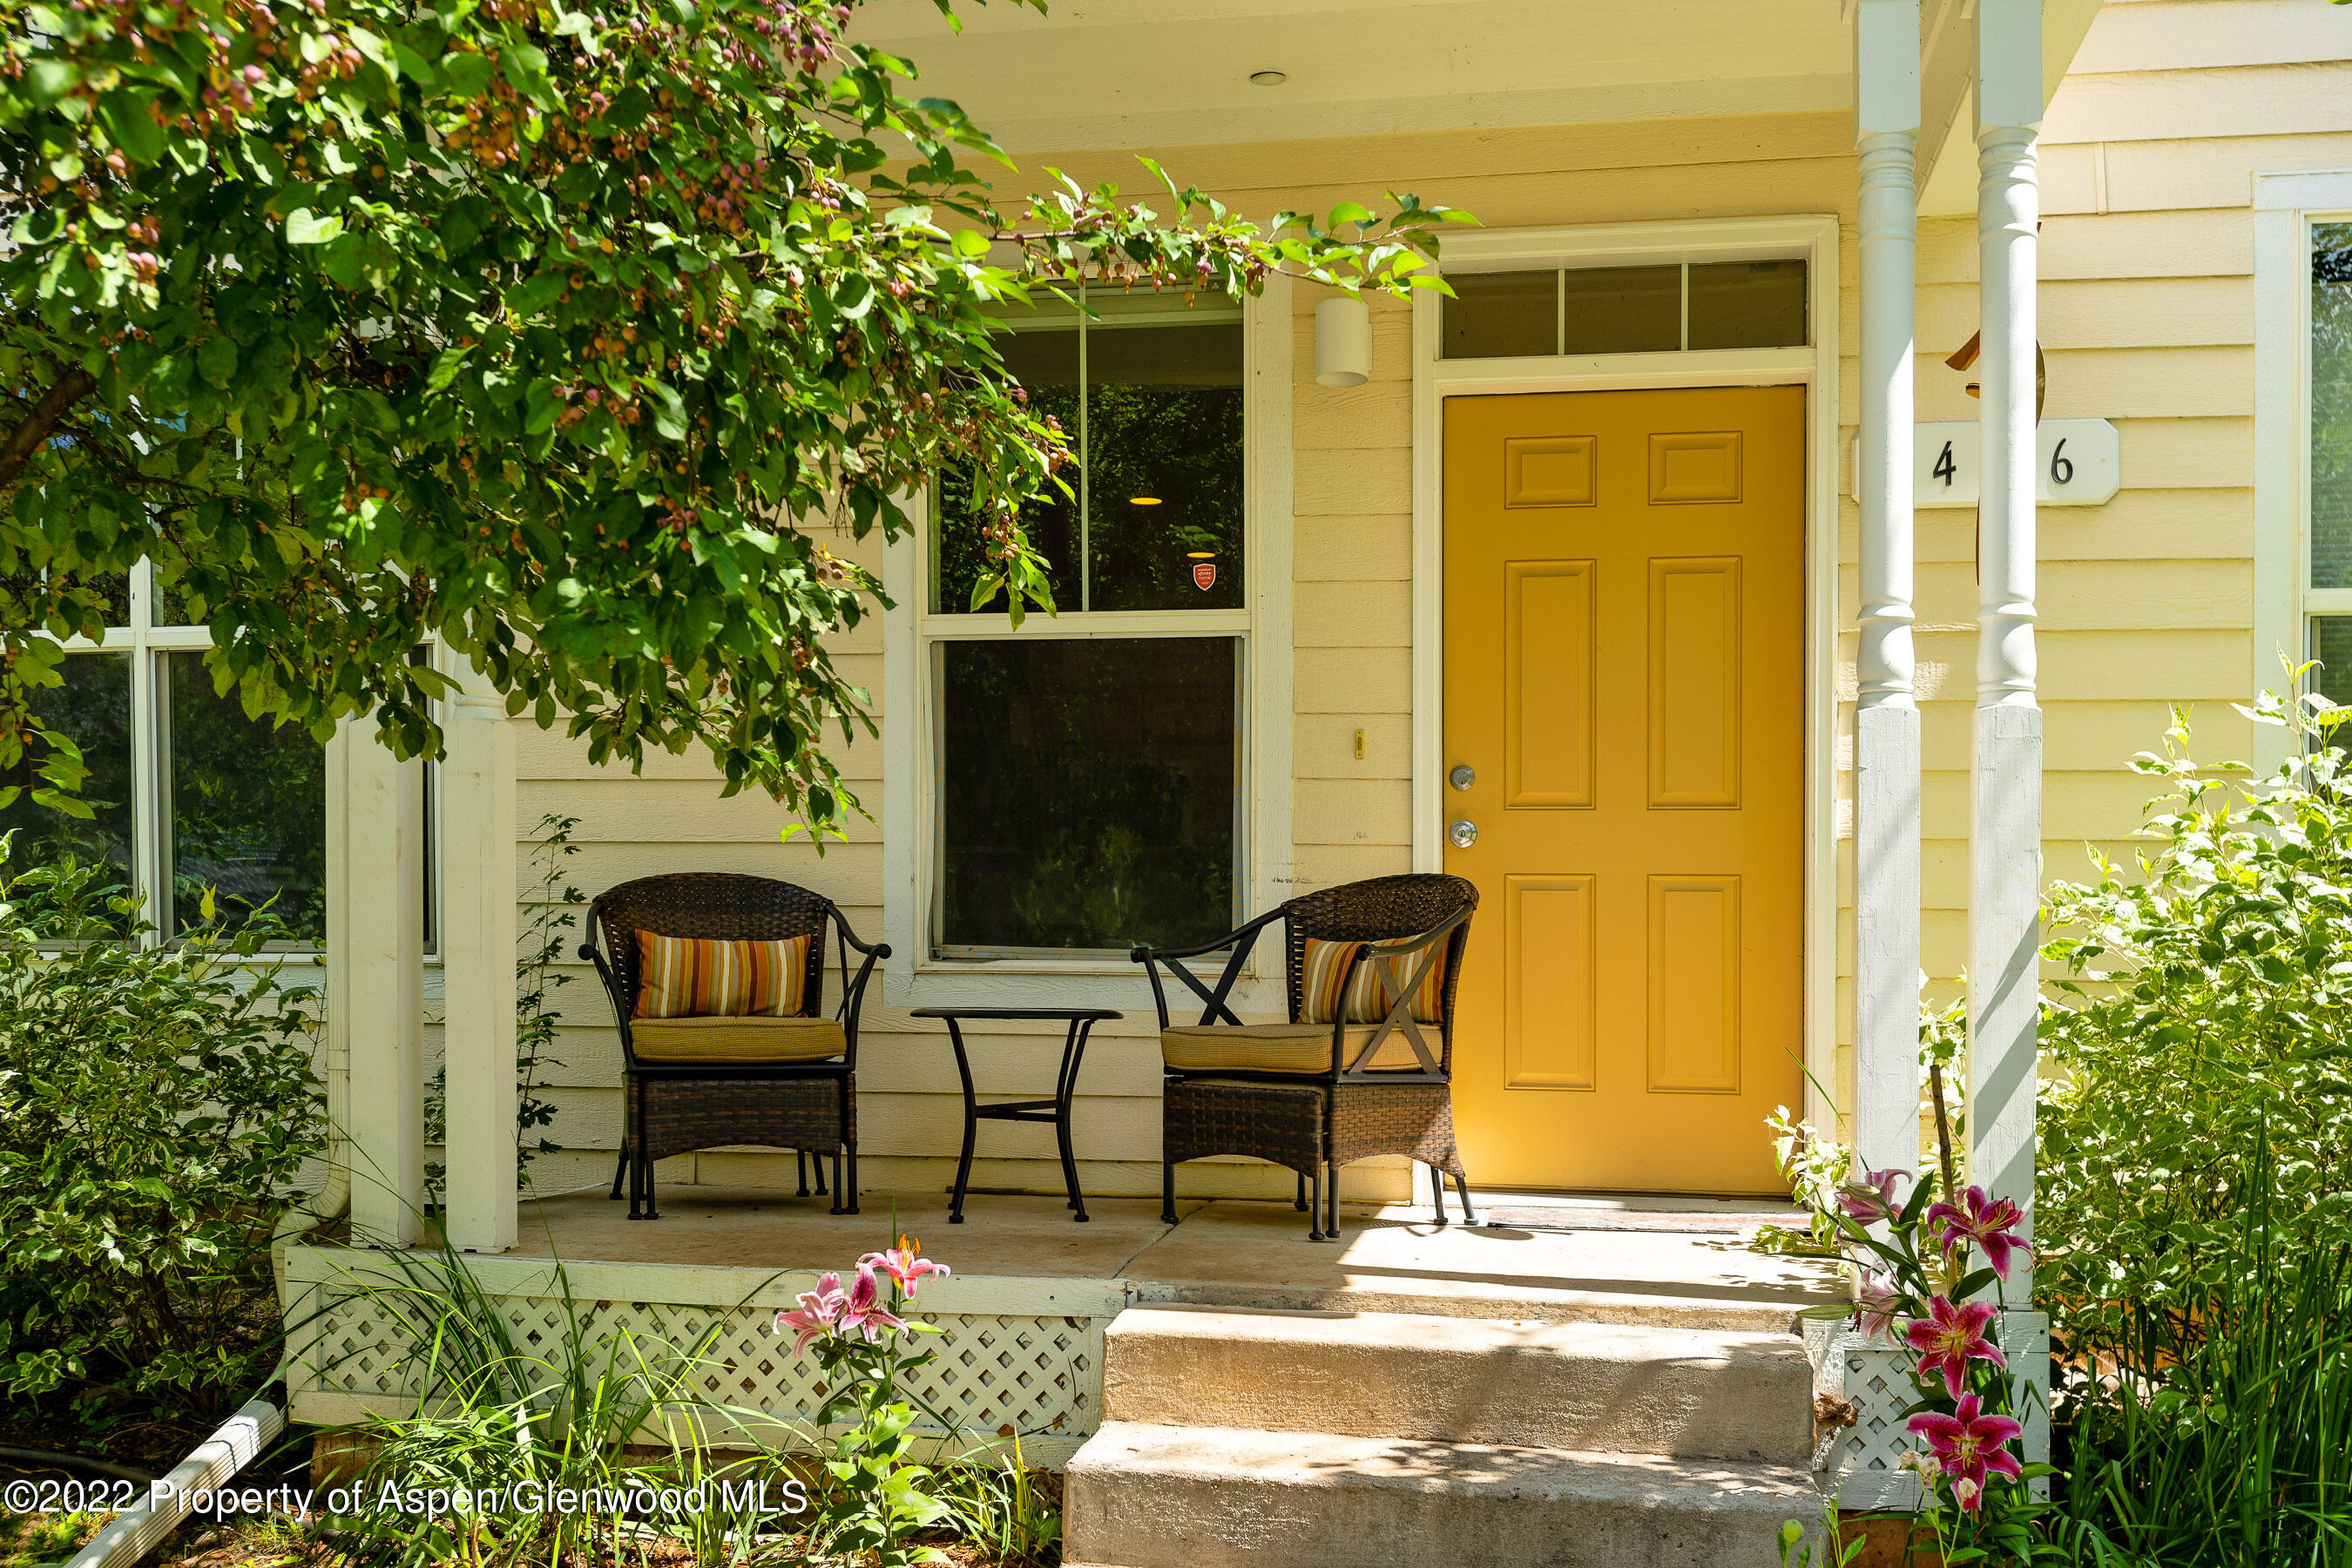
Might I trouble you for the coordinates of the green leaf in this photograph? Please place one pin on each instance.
(129, 119)
(216, 359)
(465, 75)
(971, 242)
(305, 227)
(446, 366)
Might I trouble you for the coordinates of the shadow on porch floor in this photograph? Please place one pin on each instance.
(1232, 1252)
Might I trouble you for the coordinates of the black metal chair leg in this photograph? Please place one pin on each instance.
(640, 1177)
(1332, 1216)
(653, 1209)
(821, 1191)
(1166, 1192)
(1300, 1203)
(837, 1180)
(621, 1171)
(1315, 1208)
(800, 1157)
(1462, 1186)
(850, 1192)
(1437, 1185)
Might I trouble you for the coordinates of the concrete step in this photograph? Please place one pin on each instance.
(1193, 1497)
(1597, 1388)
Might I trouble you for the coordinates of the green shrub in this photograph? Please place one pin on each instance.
(2201, 1032)
(2221, 1434)
(155, 1107)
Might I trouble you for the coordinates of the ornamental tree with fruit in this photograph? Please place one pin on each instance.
(563, 336)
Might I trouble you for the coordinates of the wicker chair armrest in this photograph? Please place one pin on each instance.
(852, 992)
(612, 984)
(1367, 953)
(1250, 928)
(1241, 940)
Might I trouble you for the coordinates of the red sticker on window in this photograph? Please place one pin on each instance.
(1205, 575)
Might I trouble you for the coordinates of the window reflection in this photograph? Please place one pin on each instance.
(2331, 405)
(1747, 305)
(1164, 483)
(1089, 795)
(1149, 395)
(247, 810)
(93, 708)
(1501, 315)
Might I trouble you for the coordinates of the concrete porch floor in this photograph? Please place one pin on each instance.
(1234, 1252)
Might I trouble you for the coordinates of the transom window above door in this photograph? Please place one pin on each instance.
(1661, 309)
(1087, 785)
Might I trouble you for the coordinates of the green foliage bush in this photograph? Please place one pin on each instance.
(2201, 1035)
(2223, 1437)
(155, 1107)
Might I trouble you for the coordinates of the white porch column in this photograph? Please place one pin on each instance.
(375, 977)
(478, 968)
(1886, 714)
(2005, 786)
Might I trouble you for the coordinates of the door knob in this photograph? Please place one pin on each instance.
(1462, 832)
(1462, 776)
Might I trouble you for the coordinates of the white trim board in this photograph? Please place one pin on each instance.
(2285, 206)
(910, 807)
(1813, 237)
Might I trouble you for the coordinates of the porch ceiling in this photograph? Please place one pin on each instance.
(1118, 74)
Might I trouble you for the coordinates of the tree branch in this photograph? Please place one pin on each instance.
(25, 438)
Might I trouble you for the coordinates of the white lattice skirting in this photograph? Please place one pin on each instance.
(1017, 1357)
(1864, 1461)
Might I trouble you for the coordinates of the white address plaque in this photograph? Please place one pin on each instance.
(2077, 462)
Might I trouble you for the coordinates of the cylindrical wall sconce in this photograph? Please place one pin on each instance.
(1343, 343)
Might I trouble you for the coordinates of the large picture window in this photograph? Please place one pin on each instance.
(1088, 782)
(189, 793)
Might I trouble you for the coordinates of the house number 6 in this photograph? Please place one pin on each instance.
(2061, 468)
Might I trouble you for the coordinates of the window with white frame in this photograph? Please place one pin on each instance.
(1087, 769)
(2327, 586)
(189, 794)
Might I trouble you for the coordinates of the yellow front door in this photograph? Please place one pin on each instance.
(1624, 730)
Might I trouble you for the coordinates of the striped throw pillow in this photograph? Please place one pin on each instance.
(1368, 999)
(688, 977)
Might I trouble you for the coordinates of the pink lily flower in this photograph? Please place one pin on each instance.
(863, 1311)
(1991, 1223)
(905, 1264)
(1969, 1444)
(1875, 1305)
(818, 1314)
(1951, 1337)
(1871, 1198)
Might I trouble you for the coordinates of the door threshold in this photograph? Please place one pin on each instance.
(1634, 1203)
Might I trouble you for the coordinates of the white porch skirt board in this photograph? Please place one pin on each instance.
(1016, 1352)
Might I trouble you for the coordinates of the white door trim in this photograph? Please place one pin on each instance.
(1814, 239)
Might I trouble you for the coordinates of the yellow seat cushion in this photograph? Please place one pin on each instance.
(737, 1040)
(1282, 1048)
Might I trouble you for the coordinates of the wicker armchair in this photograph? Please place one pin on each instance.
(787, 1083)
(1298, 1096)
